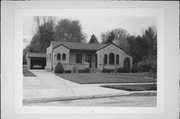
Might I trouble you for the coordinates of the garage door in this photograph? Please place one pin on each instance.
(38, 63)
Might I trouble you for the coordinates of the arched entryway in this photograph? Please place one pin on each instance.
(127, 64)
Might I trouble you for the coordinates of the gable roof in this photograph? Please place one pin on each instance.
(77, 46)
(82, 46)
(110, 44)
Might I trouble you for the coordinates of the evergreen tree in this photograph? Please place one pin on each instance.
(93, 39)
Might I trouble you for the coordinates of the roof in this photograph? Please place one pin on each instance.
(77, 46)
(82, 46)
(34, 54)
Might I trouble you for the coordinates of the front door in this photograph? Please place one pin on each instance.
(89, 59)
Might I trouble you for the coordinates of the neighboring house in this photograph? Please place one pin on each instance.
(36, 60)
(83, 55)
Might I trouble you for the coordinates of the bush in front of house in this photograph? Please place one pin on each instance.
(120, 70)
(59, 68)
(134, 68)
(108, 70)
(145, 68)
(126, 68)
(67, 71)
(83, 70)
(75, 69)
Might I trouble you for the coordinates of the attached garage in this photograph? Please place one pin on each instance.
(36, 60)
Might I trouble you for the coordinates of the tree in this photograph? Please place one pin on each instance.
(93, 39)
(25, 50)
(108, 37)
(70, 31)
(117, 36)
(44, 34)
(150, 35)
(138, 48)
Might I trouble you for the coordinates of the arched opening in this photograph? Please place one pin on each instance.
(111, 58)
(117, 59)
(105, 59)
(127, 64)
(64, 56)
(58, 56)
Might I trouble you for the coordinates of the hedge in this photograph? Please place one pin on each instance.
(108, 70)
(83, 70)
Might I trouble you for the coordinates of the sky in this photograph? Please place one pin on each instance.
(96, 25)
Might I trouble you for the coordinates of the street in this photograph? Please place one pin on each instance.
(121, 101)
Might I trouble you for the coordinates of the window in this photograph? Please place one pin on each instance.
(78, 58)
(111, 58)
(64, 56)
(117, 59)
(105, 59)
(58, 56)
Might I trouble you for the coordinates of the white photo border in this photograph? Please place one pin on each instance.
(20, 14)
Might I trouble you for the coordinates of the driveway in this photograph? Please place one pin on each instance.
(46, 80)
(48, 85)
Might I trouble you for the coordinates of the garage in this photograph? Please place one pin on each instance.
(36, 60)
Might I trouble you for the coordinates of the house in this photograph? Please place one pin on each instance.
(83, 55)
(36, 60)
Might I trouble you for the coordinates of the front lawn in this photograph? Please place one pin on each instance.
(132, 87)
(93, 78)
(27, 73)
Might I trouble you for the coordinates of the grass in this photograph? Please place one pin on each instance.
(132, 87)
(27, 73)
(93, 78)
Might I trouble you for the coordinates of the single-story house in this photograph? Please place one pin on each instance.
(36, 60)
(84, 55)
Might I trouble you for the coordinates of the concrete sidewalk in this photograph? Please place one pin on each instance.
(69, 93)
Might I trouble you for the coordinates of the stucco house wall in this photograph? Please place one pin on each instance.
(49, 57)
(111, 49)
(62, 50)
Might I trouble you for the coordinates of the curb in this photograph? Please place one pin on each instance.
(43, 100)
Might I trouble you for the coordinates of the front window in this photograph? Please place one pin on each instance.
(78, 58)
(111, 58)
(105, 59)
(64, 56)
(117, 59)
(58, 56)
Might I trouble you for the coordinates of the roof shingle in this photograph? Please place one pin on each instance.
(78, 46)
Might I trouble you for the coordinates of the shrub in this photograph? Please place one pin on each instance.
(108, 70)
(83, 70)
(145, 68)
(134, 68)
(59, 68)
(120, 70)
(67, 71)
(87, 70)
(74, 69)
(126, 68)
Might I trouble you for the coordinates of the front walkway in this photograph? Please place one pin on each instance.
(48, 85)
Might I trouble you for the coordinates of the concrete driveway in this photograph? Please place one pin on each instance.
(49, 86)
